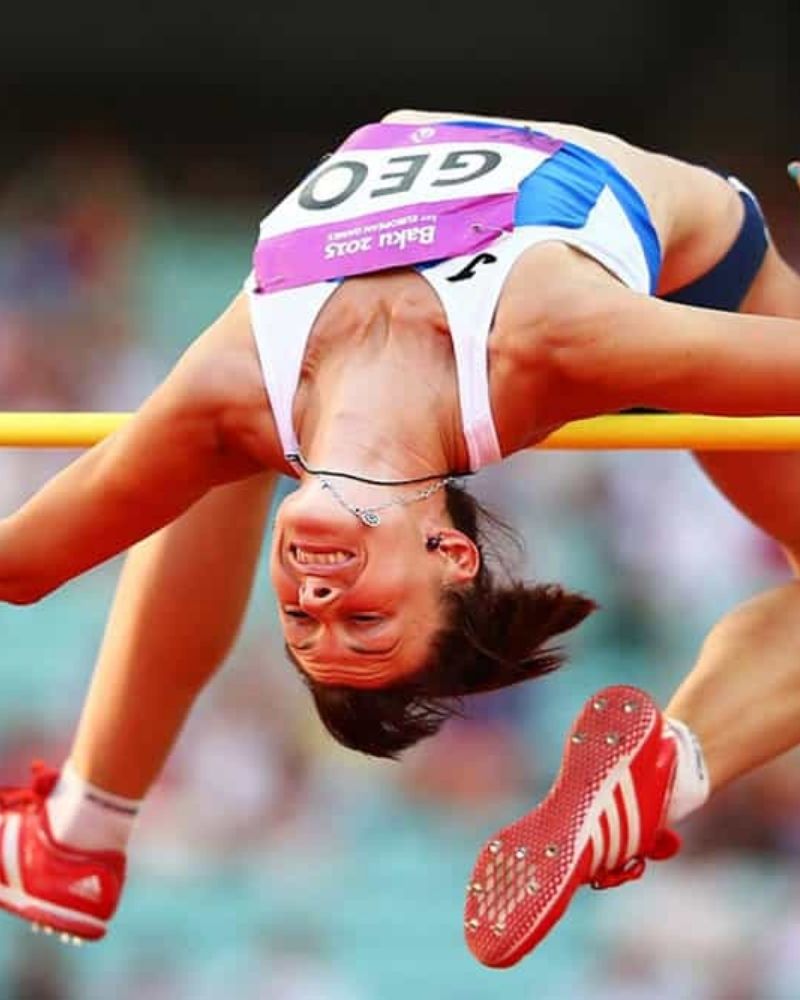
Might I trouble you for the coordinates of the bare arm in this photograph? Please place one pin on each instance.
(610, 349)
(155, 467)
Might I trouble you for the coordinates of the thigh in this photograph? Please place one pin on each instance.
(775, 290)
(765, 486)
(186, 587)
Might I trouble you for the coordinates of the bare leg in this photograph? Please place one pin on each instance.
(180, 600)
(742, 698)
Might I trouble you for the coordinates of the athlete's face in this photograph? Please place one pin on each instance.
(358, 605)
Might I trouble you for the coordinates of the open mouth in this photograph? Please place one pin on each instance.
(314, 555)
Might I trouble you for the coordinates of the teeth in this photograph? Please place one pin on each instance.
(317, 558)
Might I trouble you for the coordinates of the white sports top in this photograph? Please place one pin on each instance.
(514, 189)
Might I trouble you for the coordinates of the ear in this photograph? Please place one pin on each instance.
(461, 555)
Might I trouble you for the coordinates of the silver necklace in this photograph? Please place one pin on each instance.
(296, 458)
(369, 515)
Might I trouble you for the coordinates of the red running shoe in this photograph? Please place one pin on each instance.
(58, 888)
(603, 816)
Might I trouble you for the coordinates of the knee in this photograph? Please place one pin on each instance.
(758, 620)
(26, 591)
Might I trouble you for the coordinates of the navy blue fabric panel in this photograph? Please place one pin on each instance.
(728, 282)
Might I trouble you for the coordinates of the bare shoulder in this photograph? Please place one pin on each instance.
(653, 174)
(220, 376)
(550, 299)
(601, 347)
(540, 295)
(695, 211)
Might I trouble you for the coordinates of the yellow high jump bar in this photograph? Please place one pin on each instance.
(624, 432)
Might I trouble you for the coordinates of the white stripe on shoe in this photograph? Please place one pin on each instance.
(606, 803)
(597, 839)
(632, 813)
(617, 802)
(612, 815)
(13, 895)
(21, 903)
(592, 828)
(11, 830)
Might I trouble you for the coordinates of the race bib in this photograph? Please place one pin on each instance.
(395, 196)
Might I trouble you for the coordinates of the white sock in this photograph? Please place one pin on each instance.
(691, 788)
(87, 817)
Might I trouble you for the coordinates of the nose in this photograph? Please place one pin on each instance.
(316, 594)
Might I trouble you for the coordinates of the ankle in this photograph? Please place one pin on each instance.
(83, 816)
(691, 787)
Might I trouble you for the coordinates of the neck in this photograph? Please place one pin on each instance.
(382, 402)
(385, 449)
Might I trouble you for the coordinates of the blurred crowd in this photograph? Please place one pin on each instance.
(270, 864)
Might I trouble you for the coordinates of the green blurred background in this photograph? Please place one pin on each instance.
(141, 145)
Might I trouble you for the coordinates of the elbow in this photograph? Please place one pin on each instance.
(22, 598)
(23, 592)
(27, 587)
(27, 572)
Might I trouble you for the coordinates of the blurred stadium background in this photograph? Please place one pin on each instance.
(141, 143)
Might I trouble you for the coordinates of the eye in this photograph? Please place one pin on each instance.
(296, 613)
(366, 619)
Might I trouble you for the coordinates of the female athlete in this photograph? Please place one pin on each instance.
(440, 293)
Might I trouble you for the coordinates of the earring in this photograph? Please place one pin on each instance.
(432, 542)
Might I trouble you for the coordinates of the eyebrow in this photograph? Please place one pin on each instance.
(304, 647)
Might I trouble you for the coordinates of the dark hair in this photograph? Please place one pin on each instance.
(494, 635)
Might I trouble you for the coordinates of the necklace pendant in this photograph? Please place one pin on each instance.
(370, 518)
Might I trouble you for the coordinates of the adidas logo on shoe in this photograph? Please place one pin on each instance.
(89, 887)
(58, 889)
(601, 820)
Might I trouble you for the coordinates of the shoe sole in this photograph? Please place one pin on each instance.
(51, 918)
(526, 875)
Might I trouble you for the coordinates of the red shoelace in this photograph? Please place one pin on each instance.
(665, 845)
